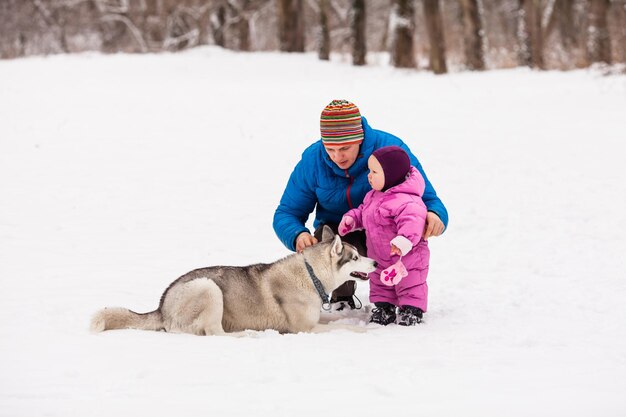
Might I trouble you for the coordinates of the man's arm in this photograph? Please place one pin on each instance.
(297, 203)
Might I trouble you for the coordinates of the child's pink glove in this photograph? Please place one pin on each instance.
(394, 274)
(346, 226)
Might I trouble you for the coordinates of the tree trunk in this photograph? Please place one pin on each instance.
(473, 32)
(434, 26)
(567, 31)
(598, 42)
(619, 11)
(533, 13)
(384, 40)
(530, 36)
(291, 25)
(357, 26)
(218, 22)
(402, 48)
(562, 16)
(243, 29)
(324, 37)
(239, 10)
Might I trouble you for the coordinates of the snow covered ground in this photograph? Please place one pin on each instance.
(120, 173)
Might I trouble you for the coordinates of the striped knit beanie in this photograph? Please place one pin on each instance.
(340, 124)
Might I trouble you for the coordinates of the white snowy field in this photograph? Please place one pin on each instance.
(120, 173)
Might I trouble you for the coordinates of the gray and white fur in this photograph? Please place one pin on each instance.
(228, 299)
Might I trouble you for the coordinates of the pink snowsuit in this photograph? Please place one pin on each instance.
(398, 211)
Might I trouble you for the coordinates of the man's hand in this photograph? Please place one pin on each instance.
(434, 225)
(304, 240)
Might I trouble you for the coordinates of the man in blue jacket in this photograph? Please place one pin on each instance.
(331, 178)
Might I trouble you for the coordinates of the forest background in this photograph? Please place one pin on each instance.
(436, 35)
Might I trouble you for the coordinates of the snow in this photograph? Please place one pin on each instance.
(120, 173)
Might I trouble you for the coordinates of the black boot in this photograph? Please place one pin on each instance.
(340, 303)
(409, 316)
(343, 297)
(384, 314)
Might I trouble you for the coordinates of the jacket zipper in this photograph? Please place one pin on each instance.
(348, 189)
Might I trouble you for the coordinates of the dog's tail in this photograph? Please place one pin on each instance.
(123, 318)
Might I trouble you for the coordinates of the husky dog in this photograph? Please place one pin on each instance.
(285, 295)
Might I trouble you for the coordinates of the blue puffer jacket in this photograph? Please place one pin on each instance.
(318, 184)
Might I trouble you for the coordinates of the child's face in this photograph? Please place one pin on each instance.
(376, 177)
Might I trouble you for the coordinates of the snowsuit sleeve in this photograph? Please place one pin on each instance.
(357, 215)
(297, 203)
(410, 219)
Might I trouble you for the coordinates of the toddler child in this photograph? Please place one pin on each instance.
(393, 216)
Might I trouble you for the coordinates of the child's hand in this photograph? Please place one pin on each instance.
(346, 225)
(400, 245)
(395, 250)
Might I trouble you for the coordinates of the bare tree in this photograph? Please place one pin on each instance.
(243, 29)
(231, 21)
(402, 22)
(357, 26)
(218, 25)
(20, 21)
(182, 30)
(618, 12)
(530, 35)
(324, 35)
(473, 40)
(434, 26)
(239, 10)
(564, 9)
(598, 42)
(533, 21)
(291, 25)
(559, 12)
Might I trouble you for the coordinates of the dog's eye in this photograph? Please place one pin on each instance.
(356, 258)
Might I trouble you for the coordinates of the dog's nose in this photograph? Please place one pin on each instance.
(375, 264)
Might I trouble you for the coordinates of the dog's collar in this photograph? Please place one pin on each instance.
(318, 286)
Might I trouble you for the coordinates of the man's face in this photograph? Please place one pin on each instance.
(343, 156)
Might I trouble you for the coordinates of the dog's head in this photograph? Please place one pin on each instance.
(346, 261)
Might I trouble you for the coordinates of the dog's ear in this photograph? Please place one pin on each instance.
(337, 248)
(327, 234)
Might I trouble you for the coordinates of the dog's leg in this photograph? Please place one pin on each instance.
(326, 318)
(199, 308)
(210, 319)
